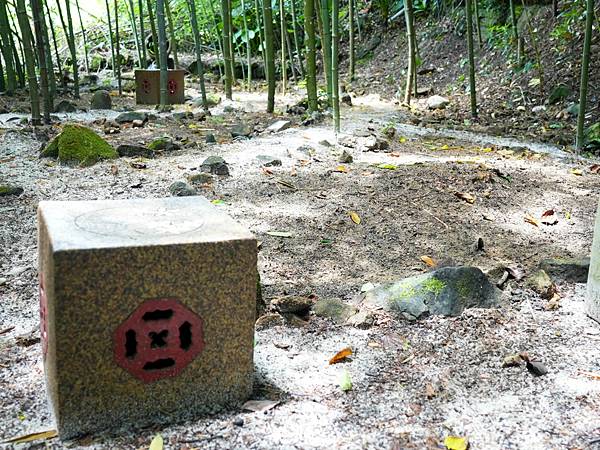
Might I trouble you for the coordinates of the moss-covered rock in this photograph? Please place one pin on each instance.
(446, 291)
(9, 189)
(77, 144)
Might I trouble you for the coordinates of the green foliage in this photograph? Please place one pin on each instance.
(569, 21)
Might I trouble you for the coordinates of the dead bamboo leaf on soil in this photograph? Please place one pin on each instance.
(41, 435)
(354, 217)
(341, 356)
(531, 220)
(259, 405)
(466, 197)
(429, 261)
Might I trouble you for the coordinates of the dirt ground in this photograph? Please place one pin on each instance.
(413, 384)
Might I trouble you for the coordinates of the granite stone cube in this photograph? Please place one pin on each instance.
(593, 285)
(147, 311)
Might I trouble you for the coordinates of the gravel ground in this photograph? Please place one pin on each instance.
(413, 383)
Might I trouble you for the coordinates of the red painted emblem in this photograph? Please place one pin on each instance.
(172, 85)
(158, 340)
(146, 86)
(43, 316)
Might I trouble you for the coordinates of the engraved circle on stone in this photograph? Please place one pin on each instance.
(172, 86)
(129, 223)
(146, 86)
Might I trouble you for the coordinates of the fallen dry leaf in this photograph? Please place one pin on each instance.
(354, 217)
(430, 391)
(532, 220)
(456, 443)
(549, 217)
(512, 360)
(430, 262)
(48, 434)
(157, 443)
(341, 169)
(259, 405)
(553, 303)
(577, 172)
(466, 197)
(341, 355)
(595, 168)
(114, 170)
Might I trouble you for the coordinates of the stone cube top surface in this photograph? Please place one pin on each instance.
(98, 224)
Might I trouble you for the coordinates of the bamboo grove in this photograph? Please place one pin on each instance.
(46, 48)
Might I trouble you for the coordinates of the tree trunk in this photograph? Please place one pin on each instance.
(270, 55)
(283, 33)
(118, 50)
(73, 50)
(585, 64)
(172, 33)
(261, 32)
(112, 42)
(29, 61)
(335, 39)
(85, 46)
(296, 40)
(248, 54)
(198, 45)
(478, 23)
(311, 54)
(144, 61)
(5, 48)
(49, 63)
(515, 30)
(154, 47)
(162, 52)
(40, 43)
(55, 44)
(136, 36)
(326, 46)
(472, 87)
(351, 63)
(227, 48)
(412, 60)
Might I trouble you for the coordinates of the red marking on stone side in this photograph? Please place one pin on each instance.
(146, 85)
(172, 85)
(171, 350)
(43, 316)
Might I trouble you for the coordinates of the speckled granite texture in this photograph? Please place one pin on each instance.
(179, 276)
(593, 285)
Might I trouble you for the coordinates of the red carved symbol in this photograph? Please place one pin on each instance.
(43, 316)
(172, 85)
(158, 340)
(146, 86)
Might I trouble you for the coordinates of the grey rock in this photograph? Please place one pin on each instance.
(241, 130)
(346, 99)
(437, 102)
(101, 100)
(335, 309)
(201, 178)
(130, 116)
(325, 143)
(572, 110)
(362, 319)
(346, 158)
(268, 161)
(539, 109)
(211, 100)
(65, 106)
(541, 284)
(182, 115)
(228, 109)
(181, 189)
(447, 291)
(215, 165)
(558, 94)
(269, 321)
(163, 143)
(131, 151)
(292, 304)
(9, 189)
(210, 139)
(374, 144)
(572, 270)
(278, 126)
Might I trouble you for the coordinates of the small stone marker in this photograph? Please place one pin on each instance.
(147, 311)
(593, 285)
